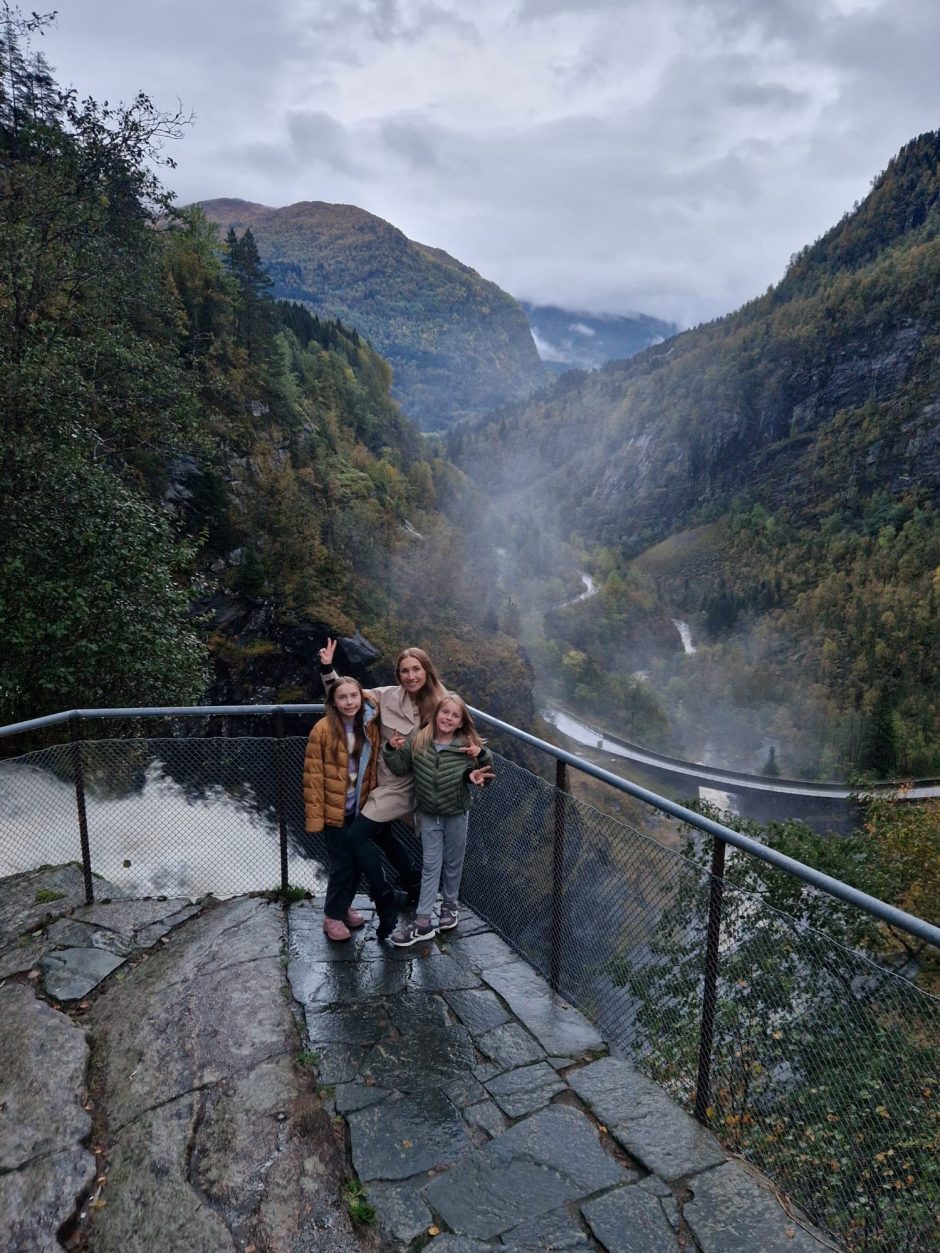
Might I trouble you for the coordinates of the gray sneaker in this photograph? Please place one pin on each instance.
(408, 933)
(448, 918)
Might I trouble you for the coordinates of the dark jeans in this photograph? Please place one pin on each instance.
(398, 854)
(344, 871)
(354, 851)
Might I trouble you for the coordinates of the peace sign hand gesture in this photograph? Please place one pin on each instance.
(326, 653)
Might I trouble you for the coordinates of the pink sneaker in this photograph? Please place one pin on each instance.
(335, 929)
(354, 919)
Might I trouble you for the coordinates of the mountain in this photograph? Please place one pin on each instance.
(569, 339)
(458, 345)
(772, 478)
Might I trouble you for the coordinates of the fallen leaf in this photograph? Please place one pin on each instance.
(406, 1144)
(434, 1231)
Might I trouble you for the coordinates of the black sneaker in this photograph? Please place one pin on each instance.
(448, 918)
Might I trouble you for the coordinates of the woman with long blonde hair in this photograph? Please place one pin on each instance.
(403, 706)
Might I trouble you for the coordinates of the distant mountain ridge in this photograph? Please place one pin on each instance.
(772, 477)
(570, 339)
(458, 345)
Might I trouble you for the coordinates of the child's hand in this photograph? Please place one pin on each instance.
(481, 776)
(396, 740)
(473, 750)
(326, 653)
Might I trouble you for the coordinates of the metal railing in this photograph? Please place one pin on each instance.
(751, 995)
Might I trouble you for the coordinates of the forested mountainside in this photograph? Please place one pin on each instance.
(197, 482)
(772, 477)
(458, 345)
(571, 340)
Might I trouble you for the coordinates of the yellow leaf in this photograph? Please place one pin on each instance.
(406, 1144)
(434, 1231)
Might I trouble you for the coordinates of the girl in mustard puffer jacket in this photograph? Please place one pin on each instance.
(340, 767)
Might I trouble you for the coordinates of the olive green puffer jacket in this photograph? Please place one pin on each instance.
(440, 776)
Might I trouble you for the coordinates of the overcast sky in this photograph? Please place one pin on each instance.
(605, 155)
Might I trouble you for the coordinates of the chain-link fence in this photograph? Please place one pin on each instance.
(822, 1067)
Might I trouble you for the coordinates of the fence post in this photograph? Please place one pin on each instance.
(703, 1085)
(78, 773)
(558, 872)
(279, 792)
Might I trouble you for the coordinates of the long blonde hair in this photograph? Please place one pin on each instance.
(432, 692)
(425, 735)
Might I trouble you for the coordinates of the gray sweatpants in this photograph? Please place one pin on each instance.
(443, 844)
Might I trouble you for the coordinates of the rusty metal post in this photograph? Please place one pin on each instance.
(279, 787)
(78, 773)
(703, 1085)
(558, 873)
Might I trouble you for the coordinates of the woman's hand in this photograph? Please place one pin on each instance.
(396, 740)
(326, 653)
(481, 776)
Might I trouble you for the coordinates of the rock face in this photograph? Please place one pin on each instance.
(44, 1165)
(458, 344)
(207, 1133)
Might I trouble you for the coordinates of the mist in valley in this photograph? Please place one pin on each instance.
(629, 650)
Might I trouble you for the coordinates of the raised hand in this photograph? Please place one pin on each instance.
(481, 776)
(396, 740)
(326, 653)
(472, 750)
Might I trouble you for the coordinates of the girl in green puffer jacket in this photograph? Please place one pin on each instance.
(445, 755)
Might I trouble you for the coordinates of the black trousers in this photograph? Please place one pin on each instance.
(354, 852)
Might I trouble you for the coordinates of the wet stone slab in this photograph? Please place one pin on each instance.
(519, 1092)
(466, 1090)
(424, 1050)
(558, 1230)
(510, 1045)
(731, 1212)
(533, 1167)
(406, 1136)
(402, 1214)
(365, 1023)
(644, 1120)
(478, 1009)
(486, 1116)
(629, 1220)
(349, 983)
(351, 1096)
(560, 1029)
(71, 973)
(483, 951)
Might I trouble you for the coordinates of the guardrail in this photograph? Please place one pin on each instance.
(771, 1023)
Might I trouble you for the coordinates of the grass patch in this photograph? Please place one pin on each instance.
(357, 1204)
(45, 895)
(306, 1058)
(290, 895)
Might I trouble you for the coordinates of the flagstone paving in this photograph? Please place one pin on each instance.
(486, 1112)
(189, 1076)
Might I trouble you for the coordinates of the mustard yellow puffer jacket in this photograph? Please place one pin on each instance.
(325, 766)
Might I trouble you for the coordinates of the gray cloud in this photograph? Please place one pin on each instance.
(595, 154)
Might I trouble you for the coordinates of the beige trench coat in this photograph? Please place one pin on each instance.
(393, 797)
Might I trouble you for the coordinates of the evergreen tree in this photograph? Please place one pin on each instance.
(90, 382)
(254, 314)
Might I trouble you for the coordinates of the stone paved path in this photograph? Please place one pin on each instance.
(157, 1091)
(486, 1112)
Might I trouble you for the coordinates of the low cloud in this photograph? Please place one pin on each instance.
(599, 155)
